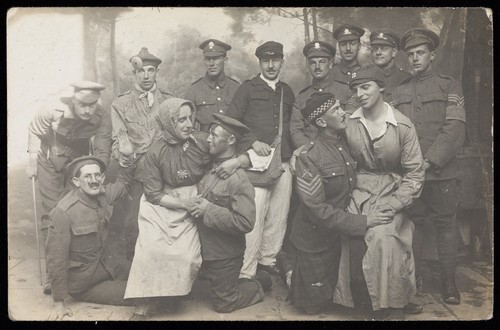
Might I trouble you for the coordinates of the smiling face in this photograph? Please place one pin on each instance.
(270, 67)
(146, 76)
(334, 118)
(219, 140)
(183, 125)
(83, 111)
(89, 180)
(368, 94)
(383, 55)
(420, 58)
(319, 67)
(349, 50)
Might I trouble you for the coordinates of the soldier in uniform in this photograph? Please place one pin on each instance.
(319, 56)
(384, 47)
(134, 112)
(213, 92)
(58, 134)
(325, 180)
(257, 105)
(348, 37)
(224, 216)
(435, 104)
(78, 229)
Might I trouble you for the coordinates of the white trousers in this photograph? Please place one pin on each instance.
(265, 240)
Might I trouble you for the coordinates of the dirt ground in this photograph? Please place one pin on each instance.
(27, 302)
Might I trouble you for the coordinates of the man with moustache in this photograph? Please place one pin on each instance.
(435, 104)
(348, 38)
(257, 105)
(384, 47)
(213, 92)
(225, 215)
(134, 112)
(72, 127)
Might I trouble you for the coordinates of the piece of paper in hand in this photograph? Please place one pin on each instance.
(260, 163)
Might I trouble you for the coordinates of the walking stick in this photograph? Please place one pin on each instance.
(36, 231)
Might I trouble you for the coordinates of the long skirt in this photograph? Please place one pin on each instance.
(167, 253)
(388, 264)
(314, 277)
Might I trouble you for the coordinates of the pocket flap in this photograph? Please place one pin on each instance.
(84, 228)
(404, 98)
(332, 170)
(435, 97)
(259, 95)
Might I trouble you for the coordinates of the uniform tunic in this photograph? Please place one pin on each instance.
(325, 180)
(211, 96)
(390, 171)
(343, 74)
(394, 77)
(301, 130)
(229, 215)
(59, 137)
(130, 112)
(257, 105)
(77, 235)
(167, 253)
(435, 104)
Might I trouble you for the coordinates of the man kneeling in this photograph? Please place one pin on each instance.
(225, 213)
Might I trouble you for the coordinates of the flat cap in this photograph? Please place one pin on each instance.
(231, 125)
(317, 105)
(319, 49)
(269, 49)
(87, 91)
(79, 162)
(214, 47)
(144, 58)
(367, 73)
(384, 37)
(416, 37)
(348, 32)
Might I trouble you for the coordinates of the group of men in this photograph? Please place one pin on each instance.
(78, 126)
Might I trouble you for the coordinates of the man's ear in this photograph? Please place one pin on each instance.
(232, 140)
(320, 122)
(433, 55)
(75, 181)
(330, 63)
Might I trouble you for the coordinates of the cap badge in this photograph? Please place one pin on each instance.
(347, 31)
(316, 45)
(353, 75)
(211, 45)
(381, 36)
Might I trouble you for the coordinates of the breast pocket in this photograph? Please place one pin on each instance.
(85, 236)
(219, 198)
(434, 107)
(334, 177)
(204, 109)
(136, 126)
(403, 103)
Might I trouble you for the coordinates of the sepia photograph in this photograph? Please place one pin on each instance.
(250, 163)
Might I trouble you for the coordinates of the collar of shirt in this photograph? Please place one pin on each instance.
(391, 70)
(425, 75)
(389, 119)
(270, 83)
(321, 84)
(219, 81)
(85, 199)
(344, 68)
